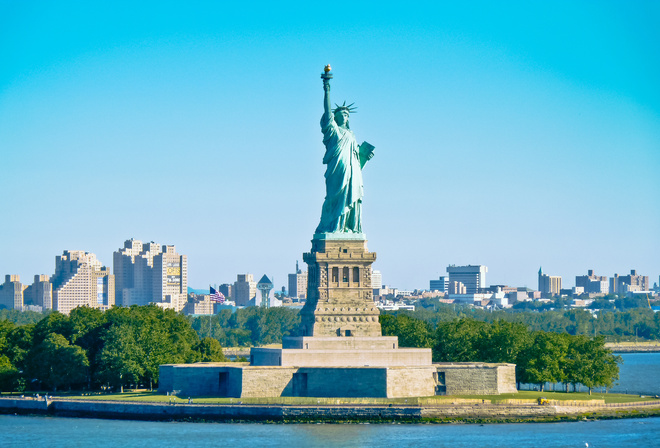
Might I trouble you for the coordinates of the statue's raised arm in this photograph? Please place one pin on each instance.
(327, 105)
(344, 158)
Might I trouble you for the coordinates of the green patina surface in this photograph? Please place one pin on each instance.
(344, 160)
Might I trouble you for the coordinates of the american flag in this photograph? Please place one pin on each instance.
(217, 296)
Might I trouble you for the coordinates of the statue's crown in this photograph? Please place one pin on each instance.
(349, 108)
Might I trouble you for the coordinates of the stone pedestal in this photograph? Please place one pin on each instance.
(339, 294)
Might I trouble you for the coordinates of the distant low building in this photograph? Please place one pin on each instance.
(389, 305)
(198, 304)
(481, 299)
(441, 284)
(517, 296)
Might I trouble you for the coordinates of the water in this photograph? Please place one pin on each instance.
(19, 431)
(639, 374)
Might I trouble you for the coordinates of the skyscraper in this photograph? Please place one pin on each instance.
(39, 293)
(149, 273)
(472, 276)
(81, 280)
(376, 280)
(133, 268)
(298, 284)
(549, 285)
(11, 293)
(170, 279)
(244, 290)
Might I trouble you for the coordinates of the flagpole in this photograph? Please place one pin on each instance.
(211, 314)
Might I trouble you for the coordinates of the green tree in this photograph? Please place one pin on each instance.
(10, 377)
(543, 360)
(502, 342)
(58, 364)
(411, 332)
(458, 341)
(119, 362)
(588, 362)
(209, 350)
(55, 322)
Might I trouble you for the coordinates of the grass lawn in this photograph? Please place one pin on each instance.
(562, 396)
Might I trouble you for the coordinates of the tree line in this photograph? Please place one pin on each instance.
(248, 327)
(90, 349)
(540, 356)
(613, 324)
(125, 346)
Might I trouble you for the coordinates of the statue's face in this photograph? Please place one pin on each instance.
(341, 117)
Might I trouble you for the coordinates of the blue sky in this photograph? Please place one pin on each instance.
(510, 134)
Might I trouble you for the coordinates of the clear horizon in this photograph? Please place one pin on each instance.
(510, 135)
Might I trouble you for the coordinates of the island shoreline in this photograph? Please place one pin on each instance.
(254, 413)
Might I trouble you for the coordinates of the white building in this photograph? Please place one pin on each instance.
(376, 280)
(81, 280)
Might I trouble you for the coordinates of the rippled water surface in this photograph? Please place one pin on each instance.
(19, 431)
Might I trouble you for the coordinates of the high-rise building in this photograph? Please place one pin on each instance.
(39, 293)
(133, 269)
(149, 273)
(622, 284)
(592, 283)
(473, 277)
(244, 290)
(170, 279)
(441, 284)
(81, 280)
(298, 284)
(11, 293)
(226, 290)
(549, 285)
(376, 280)
(457, 288)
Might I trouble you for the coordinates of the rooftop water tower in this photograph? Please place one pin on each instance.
(265, 286)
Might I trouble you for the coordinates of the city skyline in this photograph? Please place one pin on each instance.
(512, 136)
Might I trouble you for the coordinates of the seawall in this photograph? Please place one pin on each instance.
(330, 413)
(634, 347)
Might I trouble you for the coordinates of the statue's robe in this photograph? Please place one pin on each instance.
(343, 179)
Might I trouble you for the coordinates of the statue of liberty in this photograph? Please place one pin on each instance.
(344, 158)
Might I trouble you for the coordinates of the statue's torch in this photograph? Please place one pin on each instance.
(326, 75)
